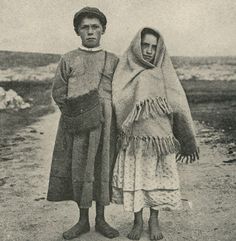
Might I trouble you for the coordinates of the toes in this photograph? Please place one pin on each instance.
(110, 235)
(156, 237)
(152, 238)
(113, 234)
(135, 233)
(133, 236)
(68, 235)
(129, 236)
(137, 237)
(159, 237)
(106, 230)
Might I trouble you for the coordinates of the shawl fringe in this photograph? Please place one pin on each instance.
(188, 158)
(160, 145)
(148, 108)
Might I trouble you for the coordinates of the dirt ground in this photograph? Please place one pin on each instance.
(208, 193)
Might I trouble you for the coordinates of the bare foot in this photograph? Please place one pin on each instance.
(105, 229)
(78, 229)
(154, 230)
(136, 231)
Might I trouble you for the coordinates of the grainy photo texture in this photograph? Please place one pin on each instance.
(117, 120)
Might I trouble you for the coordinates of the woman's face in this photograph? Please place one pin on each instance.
(148, 46)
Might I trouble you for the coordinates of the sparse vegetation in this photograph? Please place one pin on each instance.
(212, 101)
(10, 59)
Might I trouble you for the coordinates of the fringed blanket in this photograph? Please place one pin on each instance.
(151, 105)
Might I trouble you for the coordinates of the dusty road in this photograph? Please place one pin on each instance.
(209, 186)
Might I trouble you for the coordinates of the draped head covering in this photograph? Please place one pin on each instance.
(150, 103)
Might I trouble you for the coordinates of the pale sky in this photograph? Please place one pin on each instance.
(189, 27)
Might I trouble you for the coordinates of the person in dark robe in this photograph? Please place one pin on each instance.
(82, 162)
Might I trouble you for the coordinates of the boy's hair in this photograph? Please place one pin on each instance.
(89, 12)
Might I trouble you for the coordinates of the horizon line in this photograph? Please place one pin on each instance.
(194, 56)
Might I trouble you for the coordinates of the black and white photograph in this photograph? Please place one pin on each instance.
(117, 120)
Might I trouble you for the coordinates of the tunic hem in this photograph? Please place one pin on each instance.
(60, 189)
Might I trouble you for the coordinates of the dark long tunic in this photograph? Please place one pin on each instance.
(72, 176)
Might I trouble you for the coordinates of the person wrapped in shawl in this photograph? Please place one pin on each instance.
(155, 126)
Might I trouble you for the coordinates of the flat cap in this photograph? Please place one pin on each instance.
(91, 11)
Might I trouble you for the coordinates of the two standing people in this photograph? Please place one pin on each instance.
(153, 118)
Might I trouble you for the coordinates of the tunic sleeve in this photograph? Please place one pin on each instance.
(60, 82)
(115, 63)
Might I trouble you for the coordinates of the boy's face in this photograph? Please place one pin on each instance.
(90, 31)
(148, 46)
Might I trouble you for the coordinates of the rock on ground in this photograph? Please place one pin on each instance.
(11, 100)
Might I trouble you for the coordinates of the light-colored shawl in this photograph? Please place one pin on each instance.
(151, 105)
